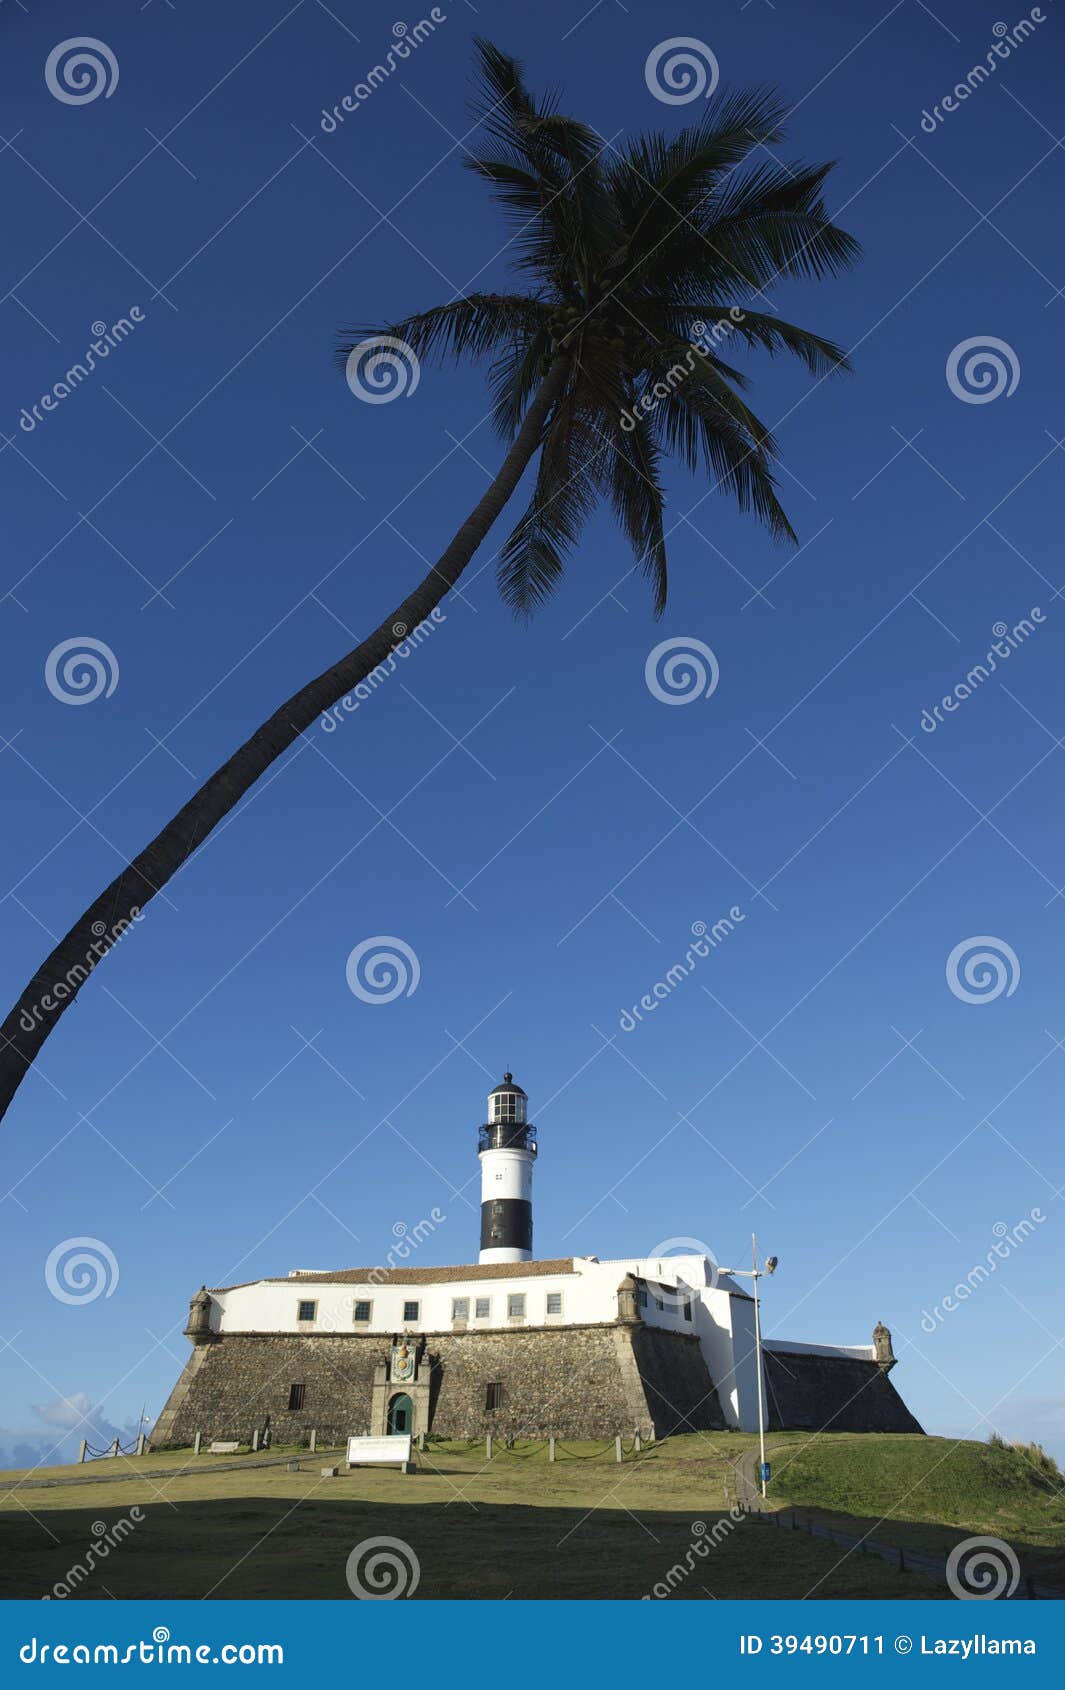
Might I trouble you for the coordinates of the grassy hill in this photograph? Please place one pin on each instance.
(929, 1492)
(659, 1525)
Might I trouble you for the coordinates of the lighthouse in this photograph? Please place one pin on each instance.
(507, 1148)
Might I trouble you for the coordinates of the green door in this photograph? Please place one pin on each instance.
(400, 1415)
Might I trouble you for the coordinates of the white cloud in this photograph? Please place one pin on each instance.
(64, 1411)
(67, 1419)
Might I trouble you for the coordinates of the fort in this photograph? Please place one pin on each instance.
(572, 1346)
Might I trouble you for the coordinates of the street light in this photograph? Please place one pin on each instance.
(755, 1272)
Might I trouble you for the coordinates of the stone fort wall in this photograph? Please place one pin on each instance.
(575, 1381)
(832, 1394)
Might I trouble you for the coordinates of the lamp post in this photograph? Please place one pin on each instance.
(755, 1273)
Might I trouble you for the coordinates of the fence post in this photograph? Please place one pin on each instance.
(255, 1440)
(636, 1440)
(551, 1447)
(488, 1447)
(617, 1450)
(314, 1439)
(114, 1448)
(84, 1447)
(196, 1442)
(140, 1443)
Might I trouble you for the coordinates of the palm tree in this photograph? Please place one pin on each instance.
(600, 369)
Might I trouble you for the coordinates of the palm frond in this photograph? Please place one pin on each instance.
(822, 357)
(532, 560)
(470, 327)
(770, 225)
(639, 503)
(514, 378)
(660, 181)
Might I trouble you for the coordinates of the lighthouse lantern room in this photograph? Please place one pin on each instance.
(507, 1148)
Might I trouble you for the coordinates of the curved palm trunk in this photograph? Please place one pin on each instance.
(62, 974)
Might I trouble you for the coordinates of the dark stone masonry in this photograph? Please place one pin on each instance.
(832, 1394)
(574, 1381)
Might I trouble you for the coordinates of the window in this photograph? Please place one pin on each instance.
(507, 1106)
(362, 1311)
(516, 1306)
(688, 1309)
(554, 1302)
(307, 1311)
(641, 1296)
(296, 1394)
(659, 1304)
(482, 1308)
(412, 1311)
(493, 1397)
(460, 1308)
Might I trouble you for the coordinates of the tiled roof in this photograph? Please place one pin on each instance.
(419, 1276)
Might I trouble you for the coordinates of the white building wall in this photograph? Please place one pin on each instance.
(273, 1306)
(848, 1352)
(589, 1295)
(742, 1379)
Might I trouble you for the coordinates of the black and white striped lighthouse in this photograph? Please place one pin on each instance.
(507, 1148)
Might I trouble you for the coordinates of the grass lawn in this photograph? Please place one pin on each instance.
(929, 1493)
(518, 1526)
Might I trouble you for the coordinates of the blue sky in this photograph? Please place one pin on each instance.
(515, 804)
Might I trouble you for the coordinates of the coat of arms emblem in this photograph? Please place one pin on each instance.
(402, 1362)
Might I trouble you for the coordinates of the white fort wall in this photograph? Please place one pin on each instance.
(720, 1315)
(588, 1292)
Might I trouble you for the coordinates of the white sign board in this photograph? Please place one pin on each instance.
(393, 1451)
